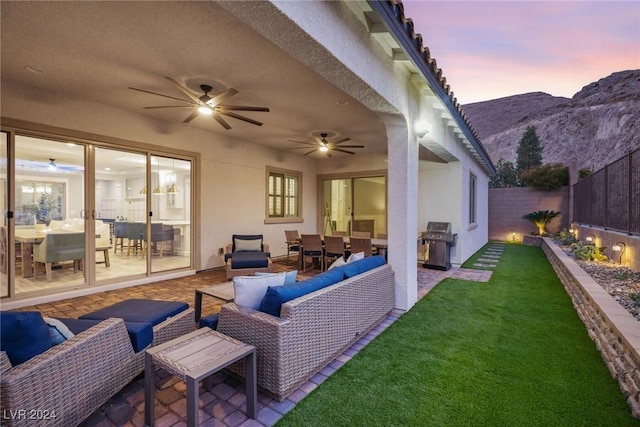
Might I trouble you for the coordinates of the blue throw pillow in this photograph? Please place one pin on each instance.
(58, 331)
(276, 296)
(358, 267)
(23, 335)
(289, 279)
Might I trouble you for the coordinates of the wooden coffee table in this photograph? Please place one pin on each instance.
(194, 357)
(223, 291)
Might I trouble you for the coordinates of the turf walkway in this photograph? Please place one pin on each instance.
(508, 352)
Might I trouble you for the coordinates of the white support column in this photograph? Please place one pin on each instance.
(403, 207)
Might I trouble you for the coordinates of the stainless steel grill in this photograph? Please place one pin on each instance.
(438, 240)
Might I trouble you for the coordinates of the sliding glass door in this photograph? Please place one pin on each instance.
(355, 204)
(85, 214)
(49, 215)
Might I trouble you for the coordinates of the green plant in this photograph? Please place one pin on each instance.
(529, 151)
(565, 237)
(506, 175)
(546, 177)
(541, 219)
(588, 252)
(635, 296)
(584, 172)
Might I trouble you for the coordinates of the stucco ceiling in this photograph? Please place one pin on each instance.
(96, 50)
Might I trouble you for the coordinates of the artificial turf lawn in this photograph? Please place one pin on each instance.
(510, 352)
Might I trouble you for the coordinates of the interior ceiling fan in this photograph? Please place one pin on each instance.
(207, 105)
(324, 146)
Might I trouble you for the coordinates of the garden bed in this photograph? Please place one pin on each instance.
(622, 283)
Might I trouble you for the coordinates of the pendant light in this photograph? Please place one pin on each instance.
(173, 188)
(158, 190)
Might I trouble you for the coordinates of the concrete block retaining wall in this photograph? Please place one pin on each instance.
(614, 330)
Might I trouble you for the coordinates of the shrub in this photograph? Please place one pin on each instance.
(635, 296)
(565, 237)
(546, 177)
(588, 252)
(583, 173)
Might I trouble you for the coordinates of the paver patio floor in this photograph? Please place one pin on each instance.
(225, 403)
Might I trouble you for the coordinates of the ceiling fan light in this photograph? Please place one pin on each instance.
(324, 148)
(205, 110)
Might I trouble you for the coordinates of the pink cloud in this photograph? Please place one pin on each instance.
(493, 49)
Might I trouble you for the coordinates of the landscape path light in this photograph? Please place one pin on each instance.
(619, 247)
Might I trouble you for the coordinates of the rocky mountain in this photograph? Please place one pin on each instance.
(598, 125)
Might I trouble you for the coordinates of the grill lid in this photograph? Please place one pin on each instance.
(440, 227)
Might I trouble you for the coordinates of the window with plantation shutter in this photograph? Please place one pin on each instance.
(283, 196)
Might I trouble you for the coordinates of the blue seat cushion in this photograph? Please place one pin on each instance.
(140, 334)
(140, 311)
(249, 260)
(210, 321)
(23, 335)
(357, 267)
(278, 295)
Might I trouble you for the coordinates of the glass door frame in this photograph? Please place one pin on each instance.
(321, 217)
(12, 128)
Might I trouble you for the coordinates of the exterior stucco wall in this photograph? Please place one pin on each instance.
(232, 172)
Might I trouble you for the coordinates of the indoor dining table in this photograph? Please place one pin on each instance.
(27, 237)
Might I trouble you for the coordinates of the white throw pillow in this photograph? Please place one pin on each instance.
(338, 263)
(248, 245)
(355, 257)
(249, 290)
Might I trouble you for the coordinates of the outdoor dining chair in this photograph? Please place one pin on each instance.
(293, 242)
(361, 244)
(360, 234)
(333, 248)
(312, 248)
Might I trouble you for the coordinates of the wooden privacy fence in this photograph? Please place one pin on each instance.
(610, 197)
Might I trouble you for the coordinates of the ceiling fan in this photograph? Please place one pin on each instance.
(324, 146)
(207, 105)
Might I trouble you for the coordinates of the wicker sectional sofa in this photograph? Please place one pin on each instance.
(71, 380)
(311, 330)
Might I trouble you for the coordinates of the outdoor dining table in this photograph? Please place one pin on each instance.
(380, 244)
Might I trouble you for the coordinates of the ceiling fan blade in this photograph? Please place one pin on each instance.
(343, 151)
(220, 98)
(302, 142)
(242, 108)
(191, 116)
(351, 146)
(239, 117)
(185, 91)
(309, 152)
(222, 121)
(329, 155)
(159, 94)
(341, 141)
(168, 106)
(296, 148)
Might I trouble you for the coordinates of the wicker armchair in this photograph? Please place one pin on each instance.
(232, 249)
(74, 378)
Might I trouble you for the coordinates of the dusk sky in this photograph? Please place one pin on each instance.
(492, 49)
